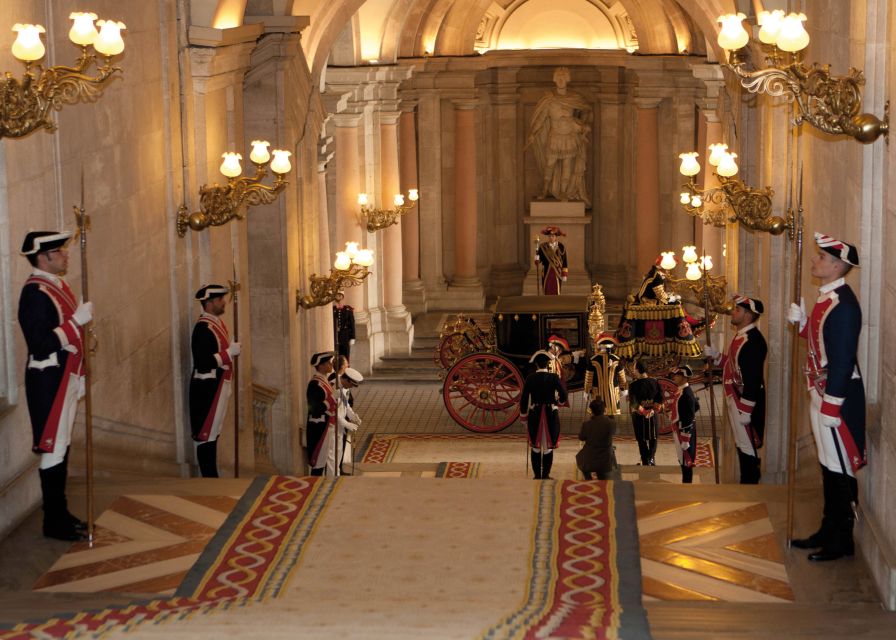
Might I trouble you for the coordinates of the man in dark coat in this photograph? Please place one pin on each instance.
(645, 397)
(542, 394)
(344, 324)
(322, 409)
(213, 355)
(550, 257)
(836, 393)
(743, 377)
(684, 423)
(52, 322)
(597, 455)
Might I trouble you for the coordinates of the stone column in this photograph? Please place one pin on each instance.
(348, 228)
(647, 183)
(465, 288)
(398, 329)
(413, 295)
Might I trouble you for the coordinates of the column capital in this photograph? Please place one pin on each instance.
(347, 120)
(465, 104)
(389, 117)
(647, 103)
(408, 105)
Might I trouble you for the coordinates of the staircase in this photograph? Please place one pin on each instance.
(418, 366)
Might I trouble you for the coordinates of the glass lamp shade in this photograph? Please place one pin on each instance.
(28, 46)
(83, 31)
(696, 202)
(693, 272)
(685, 197)
(351, 250)
(770, 25)
(706, 263)
(398, 200)
(342, 261)
(689, 165)
(364, 258)
(715, 153)
(413, 195)
(793, 36)
(732, 34)
(109, 42)
(280, 164)
(689, 254)
(727, 167)
(362, 199)
(231, 165)
(668, 261)
(260, 153)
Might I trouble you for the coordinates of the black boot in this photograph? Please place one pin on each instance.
(838, 542)
(546, 464)
(535, 457)
(687, 474)
(207, 457)
(749, 468)
(56, 522)
(651, 449)
(817, 539)
(77, 523)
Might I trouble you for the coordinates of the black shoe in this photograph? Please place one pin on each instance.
(812, 542)
(823, 555)
(68, 534)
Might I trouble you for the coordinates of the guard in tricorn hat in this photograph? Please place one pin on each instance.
(550, 258)
(684, 423)
(213, 355)
(743, 379)
(52, 322)
(836, 394)
(602, 375)
(539, 410)
(321, 425)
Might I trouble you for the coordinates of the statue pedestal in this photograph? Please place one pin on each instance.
(571, 218)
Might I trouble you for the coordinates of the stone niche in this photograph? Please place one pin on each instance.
(572, 220)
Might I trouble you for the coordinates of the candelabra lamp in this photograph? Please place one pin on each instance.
(732, 200)
(830, 103)
(25, 104)
(349, 269)
(698, 286)
(219, 205)
(382, 218)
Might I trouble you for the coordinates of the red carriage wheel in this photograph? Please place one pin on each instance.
(452, 347)
(482, 392)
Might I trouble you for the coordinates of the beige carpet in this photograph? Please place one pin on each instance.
(497, 455)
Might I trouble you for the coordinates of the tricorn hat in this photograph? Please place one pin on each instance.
(321, 358)
(606, 337)
(751, 304)
(541, 352)
(208, 291)
(837, 248)
(552, 230)
(353, 374)
(37, 241)
(555, 339)
(684, 370)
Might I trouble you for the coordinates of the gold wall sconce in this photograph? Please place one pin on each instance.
(732, 200)
(698, 286)
(382, 218)
(25, 104)
(350, 269)
(219, 205)
(829, 103)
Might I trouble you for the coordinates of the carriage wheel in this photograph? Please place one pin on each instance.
(452, 347)
(482, 392)
(670, 397)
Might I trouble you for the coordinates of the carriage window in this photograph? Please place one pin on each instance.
(517, 334)
(567, 328)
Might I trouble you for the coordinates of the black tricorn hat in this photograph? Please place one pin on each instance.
(208, 291)
(37, 241)
(751, 304)
(838, 248)
(320, 358)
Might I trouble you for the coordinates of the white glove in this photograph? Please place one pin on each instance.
(831, 422)
(624, 393)
(536, 257)
(674, 297)
(83, 314)
(351, 342)
(563, 278)
(744, 418)
(684, 444)
(349, 426)
(797, 313)
(712, 353)
(234, 349)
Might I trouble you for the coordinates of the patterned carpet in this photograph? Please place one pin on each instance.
(409, 559)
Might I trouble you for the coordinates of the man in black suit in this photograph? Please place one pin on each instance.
(645, 397)
(542, 394)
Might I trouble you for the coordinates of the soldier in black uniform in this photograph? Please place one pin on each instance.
(344, 322)
(645, 397)
(684, 424)
(213, 354)
(52, 319)
(542, 394)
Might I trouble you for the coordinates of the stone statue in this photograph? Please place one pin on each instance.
(559, 137)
